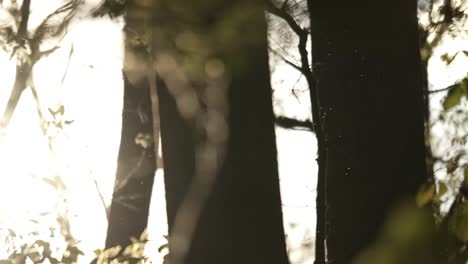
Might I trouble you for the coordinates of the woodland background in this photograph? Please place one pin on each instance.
(113, 107)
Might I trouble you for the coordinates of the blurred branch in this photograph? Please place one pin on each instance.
(295, 124)
(450, 15)
(22, 69)
(26, 60)
(440, 90)
(112, 7)
(131, 174)
(23, 27)
(65, 73)
(101, 198)
(431, 9)
(290, 63)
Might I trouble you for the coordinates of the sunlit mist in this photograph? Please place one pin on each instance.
(58, 155)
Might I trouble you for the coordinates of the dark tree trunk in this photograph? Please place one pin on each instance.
(178, 146)
(135, 170)
(366, 61)
(241, 221)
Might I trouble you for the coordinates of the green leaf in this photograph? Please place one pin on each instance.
(61, 109)
(52, 112)
(97, 252)
(465, 177)
(451, 166)
(74, 250)
(112, 252)
(454, 95)
(458, 222)
(144, 236)
(53, 260)
(11, 233)
(130, 259)
(442, 190)
(447, 58)
(34, 256)
(425, 194)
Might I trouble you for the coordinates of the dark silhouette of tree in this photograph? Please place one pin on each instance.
(284, 12)
(292, 123)
(226, 210)
(137, 161)
(367, 68)
(128, 216)
(443, 18)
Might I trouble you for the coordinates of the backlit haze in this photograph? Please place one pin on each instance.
(74, 178)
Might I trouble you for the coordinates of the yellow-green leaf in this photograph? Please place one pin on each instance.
(425, 194)
(451, 166)
(112, 252)
(454, 96)
(458, 222)
(144, 235)
(447, 58)
(465, 177)
(442, 190)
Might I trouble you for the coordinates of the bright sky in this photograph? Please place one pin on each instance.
(90, 88)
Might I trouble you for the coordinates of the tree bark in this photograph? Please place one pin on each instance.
(136, 167)
(367, 65)
(241, 220)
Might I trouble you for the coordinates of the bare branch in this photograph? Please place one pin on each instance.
(303, 35)
(446, 88)
(283, 14)
(290, 63)
(295, 124)
(101, 197)
(440, 90)
(68, 64)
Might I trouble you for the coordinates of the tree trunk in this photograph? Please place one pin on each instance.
(366, 61)
(135, 170)
(241, 220)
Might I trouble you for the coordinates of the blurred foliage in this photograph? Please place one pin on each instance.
(132, 254)
(22, 250)
(410, 236)
(31, 248)
(433, 229)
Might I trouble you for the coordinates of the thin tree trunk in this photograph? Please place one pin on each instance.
(136, 167)
(23, 70)
(366, 61)
(316, 126)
